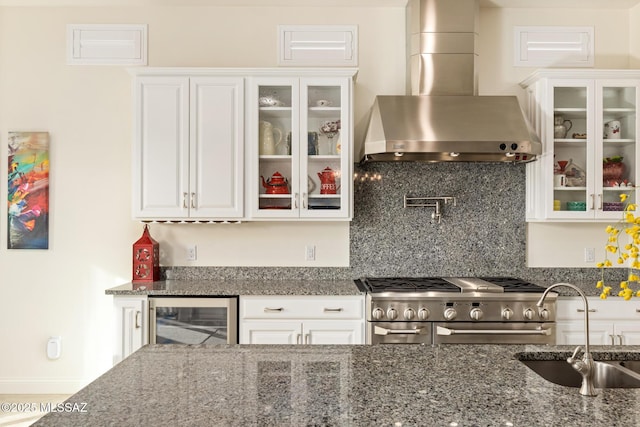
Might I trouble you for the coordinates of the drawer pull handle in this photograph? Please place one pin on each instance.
(138, 325)
(273, 310)
(581, 310)
(332, 310)
(637, 310)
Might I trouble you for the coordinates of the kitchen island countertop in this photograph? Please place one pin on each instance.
(238, 287)
(385, 385)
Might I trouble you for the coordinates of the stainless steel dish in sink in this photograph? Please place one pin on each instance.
(606, 374)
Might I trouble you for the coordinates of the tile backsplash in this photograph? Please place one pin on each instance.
(484, 234)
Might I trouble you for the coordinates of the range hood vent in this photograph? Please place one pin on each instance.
(444, 119)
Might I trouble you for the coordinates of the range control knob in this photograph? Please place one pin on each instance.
(450, 313)
(409, 314)
(476, 314)
(378, 313)
(423, 314)
(544, 314)
(507, 314)
(528, 314)
(392, 314)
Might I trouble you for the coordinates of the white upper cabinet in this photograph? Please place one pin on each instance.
(188, 147)
(299, 143)
(588, 123)
(193, 127)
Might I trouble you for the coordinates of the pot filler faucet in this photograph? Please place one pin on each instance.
(585, 366)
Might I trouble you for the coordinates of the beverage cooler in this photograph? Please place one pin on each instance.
(187, 320)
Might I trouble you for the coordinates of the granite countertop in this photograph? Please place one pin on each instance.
(238, 287)
(384, 385)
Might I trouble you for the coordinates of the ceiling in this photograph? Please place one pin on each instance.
(577, 4)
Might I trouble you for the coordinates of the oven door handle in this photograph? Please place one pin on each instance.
(384, 331)
(448, 331)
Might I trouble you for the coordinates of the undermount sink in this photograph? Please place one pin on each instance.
(610, 374)
(632, 365)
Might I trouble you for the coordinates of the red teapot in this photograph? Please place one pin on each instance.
(328, 181)
(277, 184)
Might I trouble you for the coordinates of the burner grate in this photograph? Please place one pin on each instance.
(409, 284)
(511, 284)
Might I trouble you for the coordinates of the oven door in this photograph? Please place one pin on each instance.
(186, 320)
(399, 333)
(494, 333)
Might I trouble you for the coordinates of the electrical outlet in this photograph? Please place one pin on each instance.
(310, 253)
(192, 253)
(589, 255)
(54, 348)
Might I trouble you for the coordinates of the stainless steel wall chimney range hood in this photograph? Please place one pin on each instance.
(443, 119)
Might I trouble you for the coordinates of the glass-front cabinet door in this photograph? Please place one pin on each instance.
(570, 175)
(617, 152)
(300, 143)
(593, 148)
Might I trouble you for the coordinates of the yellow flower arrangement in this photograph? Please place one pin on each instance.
(630, 224)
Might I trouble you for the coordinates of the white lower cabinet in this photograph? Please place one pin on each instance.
(611, 322)
(302, 320)
(131, 323)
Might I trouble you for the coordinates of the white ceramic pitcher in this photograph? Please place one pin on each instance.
(267, 140)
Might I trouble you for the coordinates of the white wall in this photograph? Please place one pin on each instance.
(87, 110)
(634, 37)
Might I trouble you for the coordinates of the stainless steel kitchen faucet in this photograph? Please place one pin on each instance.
(586, 365)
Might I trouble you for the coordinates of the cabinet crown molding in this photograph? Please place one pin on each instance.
(243, 72)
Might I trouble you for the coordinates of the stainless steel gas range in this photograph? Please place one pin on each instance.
(457, 310)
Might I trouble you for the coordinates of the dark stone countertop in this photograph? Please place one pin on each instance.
(384, 385)
(238, 287)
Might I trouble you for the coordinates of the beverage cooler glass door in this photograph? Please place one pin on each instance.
(187, 320)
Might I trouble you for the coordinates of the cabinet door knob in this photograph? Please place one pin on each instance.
(193, 200)
(137, 322)
(600, 201)
(184, 200)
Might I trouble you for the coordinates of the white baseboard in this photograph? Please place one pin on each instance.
(41, 386)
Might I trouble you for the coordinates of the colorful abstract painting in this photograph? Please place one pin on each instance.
(28, 197)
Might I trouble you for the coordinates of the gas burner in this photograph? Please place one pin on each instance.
(408, 284)
(511, 284)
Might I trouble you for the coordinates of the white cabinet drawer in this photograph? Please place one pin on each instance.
(571, 308)
(302, 307)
